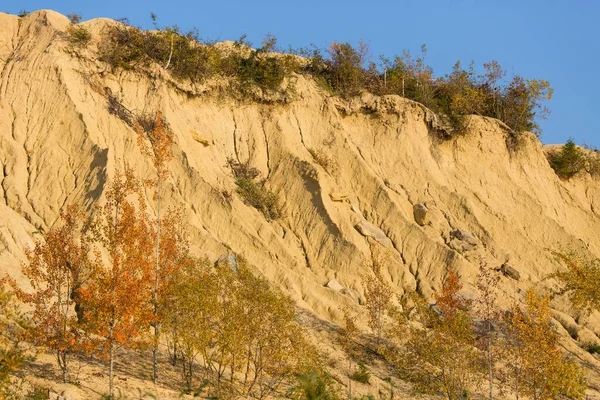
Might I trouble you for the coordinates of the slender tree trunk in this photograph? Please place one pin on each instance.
(155, 294)
(110, 371)
(489, 360)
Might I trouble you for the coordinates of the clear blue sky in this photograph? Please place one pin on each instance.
(557, 40)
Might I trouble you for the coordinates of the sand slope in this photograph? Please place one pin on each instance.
(59, 144)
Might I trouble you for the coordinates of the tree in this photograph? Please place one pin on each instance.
(55, 270)
(568, 161)
(378, 293)
(522, 103)
(160, 152)
(538, 368)
(486, 309)
(439, 354)
(579, 280)
(239, 326)
(345, 63)
(115, 299)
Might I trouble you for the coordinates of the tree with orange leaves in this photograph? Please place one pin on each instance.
(156, 144)
(116, 308)
(55, 271)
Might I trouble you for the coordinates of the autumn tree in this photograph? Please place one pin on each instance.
(157, 145)
(242, 330)
(437, 351)
(378, 292)
(55, 268)
(115, 299)
(538, 369)
(579, 280)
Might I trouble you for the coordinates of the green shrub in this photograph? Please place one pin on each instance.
(591, 348)
(568, 161)
(258, 196)
(314, 385)
(361, 374)
(79, 36)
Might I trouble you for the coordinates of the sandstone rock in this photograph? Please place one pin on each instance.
(460, 246)
(357, 210)
(352, 294)
(228, 260)
(335, 285)
(509, 271)
(335, 196)
(420, 214)
(464, 236)
(369, 230)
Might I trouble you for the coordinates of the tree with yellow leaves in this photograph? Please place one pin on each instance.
(538, 369)
(438, 353)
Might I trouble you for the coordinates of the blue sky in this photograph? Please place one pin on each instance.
(544, 39)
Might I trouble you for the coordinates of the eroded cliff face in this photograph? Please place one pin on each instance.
(59, 144)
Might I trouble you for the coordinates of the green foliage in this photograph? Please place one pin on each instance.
(534, 359)
(244, 330)
(568, 161)
(187, 58)
(578, 280)
(361, 374)
(437, 352)
(256, 194)
(253, 191)
(314, 384)
(592, 348)
(79, 35)
(344, 68)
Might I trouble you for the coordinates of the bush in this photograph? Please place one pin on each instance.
(79, 36)
(362, 374)
(345, 72)
(328, 163)
(242, 170)
(568, 161)
(592, 348)
(258, 196)
(314, 385)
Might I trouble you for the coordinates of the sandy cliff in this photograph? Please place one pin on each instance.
(59, 144)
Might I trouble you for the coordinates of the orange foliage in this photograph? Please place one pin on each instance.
(117, 310)
(54, 269)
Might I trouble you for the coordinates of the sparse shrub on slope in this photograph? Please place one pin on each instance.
(256, 194)
(361, 374)
(253, 191)
(568, 161)
(78, 35)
